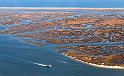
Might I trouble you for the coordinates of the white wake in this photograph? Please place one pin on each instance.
(62, 61)
(43, 65)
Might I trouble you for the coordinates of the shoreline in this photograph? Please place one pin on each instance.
(96, 65)
(60, 8)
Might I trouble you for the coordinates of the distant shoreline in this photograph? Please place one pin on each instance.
(95, 65)
(57, 8)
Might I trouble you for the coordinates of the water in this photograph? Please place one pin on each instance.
(24, 21)
(19, 61)
(63, 3)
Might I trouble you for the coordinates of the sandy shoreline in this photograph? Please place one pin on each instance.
(64, 8)
(95, 65)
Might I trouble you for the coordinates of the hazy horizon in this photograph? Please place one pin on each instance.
(63, 3)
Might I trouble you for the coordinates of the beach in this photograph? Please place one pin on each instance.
(95, 65)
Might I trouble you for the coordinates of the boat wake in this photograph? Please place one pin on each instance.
(35, 63)
(43, 65)
(62, 61)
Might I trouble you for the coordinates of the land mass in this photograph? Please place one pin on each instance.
(88, 35)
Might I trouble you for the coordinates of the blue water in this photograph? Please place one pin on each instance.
(16, 58)
(63, 3)
(24, 21)
(20, 59)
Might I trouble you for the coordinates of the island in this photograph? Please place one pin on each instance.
(92, 36)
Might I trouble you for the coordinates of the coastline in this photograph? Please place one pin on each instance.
(64, 8)
(96, 65)
(60, 8)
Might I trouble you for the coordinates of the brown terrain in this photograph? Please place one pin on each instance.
(92, 38)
